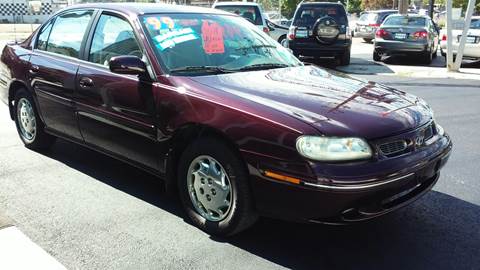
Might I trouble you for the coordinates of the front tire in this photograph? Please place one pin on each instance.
(376, 56)
(30, 127)
(214, 188)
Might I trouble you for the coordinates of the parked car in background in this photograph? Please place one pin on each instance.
(472, 45)
(278, 32)
(407, 35)
(368, 23)
(251, 11)
(320, 29)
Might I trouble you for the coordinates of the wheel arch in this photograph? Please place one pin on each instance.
(182, 138)
(12, 90)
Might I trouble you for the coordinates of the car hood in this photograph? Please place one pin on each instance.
(334, 103)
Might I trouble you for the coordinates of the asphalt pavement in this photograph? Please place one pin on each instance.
(92, 212)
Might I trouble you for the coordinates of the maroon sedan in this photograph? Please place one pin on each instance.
(226, 116)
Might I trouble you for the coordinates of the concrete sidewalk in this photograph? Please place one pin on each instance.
(368, 67)
(18, 252)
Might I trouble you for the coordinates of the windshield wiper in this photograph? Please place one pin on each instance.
(208, 69)
(263, 66)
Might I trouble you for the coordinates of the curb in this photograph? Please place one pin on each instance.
(18, 252)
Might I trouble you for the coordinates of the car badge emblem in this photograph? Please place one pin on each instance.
(419, 140)
(400, 29)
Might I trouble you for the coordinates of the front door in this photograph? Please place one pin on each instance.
(116, 112)
(53, 67)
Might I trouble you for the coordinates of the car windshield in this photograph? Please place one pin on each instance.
(251, 13)
(190, 44)
(475, 24)
(307, 15)
(404, 21)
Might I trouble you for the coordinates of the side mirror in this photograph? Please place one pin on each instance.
(127, 64)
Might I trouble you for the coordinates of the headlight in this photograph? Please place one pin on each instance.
(333, 149)
(440, 130)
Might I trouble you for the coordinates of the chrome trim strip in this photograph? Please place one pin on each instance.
(358, 187)
(112, 123)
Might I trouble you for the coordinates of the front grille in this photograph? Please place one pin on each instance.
(429, 131)
(392, 148)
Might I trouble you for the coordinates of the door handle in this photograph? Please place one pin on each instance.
(34, 69)
(86, 82)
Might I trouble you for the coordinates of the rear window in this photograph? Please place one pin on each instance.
(306, 16)
(405, 21)
(368, 17)
(251, 13)
(475, 24)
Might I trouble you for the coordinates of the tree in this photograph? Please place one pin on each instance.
(354, 6)
(377, 4)
(288, 7)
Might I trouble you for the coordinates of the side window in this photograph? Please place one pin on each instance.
(67, 33)
(43, 36)
(113, 37)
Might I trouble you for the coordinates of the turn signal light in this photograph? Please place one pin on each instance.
(265, 29)
(420, 35)
(282, 177)
(291, 33)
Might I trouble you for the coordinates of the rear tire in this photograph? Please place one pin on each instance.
(345, 58)
(283, 41)
(376, 56)
(427, 58)
(199, 188)
(30, 127)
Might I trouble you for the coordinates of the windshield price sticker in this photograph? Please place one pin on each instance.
(171, 38)
(212, 35)
(160, 23)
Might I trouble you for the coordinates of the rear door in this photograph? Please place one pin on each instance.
(116, 112)
(53, 67)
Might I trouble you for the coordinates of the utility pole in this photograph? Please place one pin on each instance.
(431, 3)
(463, 39)
(403, 6)
(449, 36)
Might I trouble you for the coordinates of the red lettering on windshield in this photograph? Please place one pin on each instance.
(212, 35)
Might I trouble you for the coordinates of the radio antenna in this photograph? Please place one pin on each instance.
(14, 21)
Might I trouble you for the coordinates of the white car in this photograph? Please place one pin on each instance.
(278, 32)
(251, 11)
(472, 46)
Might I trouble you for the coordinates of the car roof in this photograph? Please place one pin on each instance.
(320, 3)
(235, 4)
(410, 15)
(381, 11)
(147, 8)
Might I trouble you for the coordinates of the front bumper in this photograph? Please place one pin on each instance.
(340, 204)
(400, 47)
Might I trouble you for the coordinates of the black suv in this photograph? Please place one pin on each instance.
(320, 29)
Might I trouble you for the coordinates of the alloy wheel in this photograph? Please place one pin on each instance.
(209, 188)
(26, 120)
